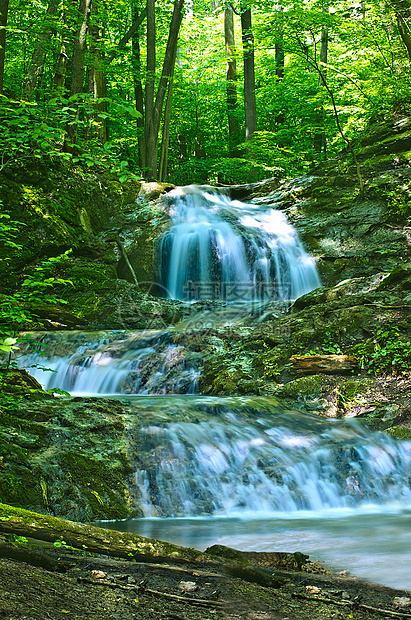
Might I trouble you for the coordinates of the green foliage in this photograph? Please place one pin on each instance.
(367, 72)
(399, 204)
(388, 351)
(328, 347)
(18, 311)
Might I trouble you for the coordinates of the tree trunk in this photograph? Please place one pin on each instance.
(404, 33)
(162, 174)
(138, 94)
(150, 81)
(96, 79)
(36, 67)
(153, 123)
(4, 9)
(68, 27)
(231, 87)
(77, 67)
(249, 75)
(320, 142)
(60, 71)
(279, 59)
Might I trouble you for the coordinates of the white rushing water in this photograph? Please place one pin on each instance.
(292, 464)
(253, 476)
(110, 363)
(219, 248)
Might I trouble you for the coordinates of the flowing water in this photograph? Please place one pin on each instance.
(110, 362)
(242, 472)
(217, 248)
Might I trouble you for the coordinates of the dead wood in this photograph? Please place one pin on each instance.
(88, 538)
(324, 364)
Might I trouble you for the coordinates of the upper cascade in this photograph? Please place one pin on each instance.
(223, 249)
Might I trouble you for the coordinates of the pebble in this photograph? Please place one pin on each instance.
(187, 586)
(98, 574)
(401, 602)
(312, 590)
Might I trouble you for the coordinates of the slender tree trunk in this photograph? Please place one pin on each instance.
(150, 143)
(162, 173)
(320, 142)
(68, 27)
(77, 67)
(279, 58)
(404, 33)
(60, 70)
(231, 87)
(249, 75)
(153, 127)
(36, 67)
(96, 78)
(138, 94)
(4, 9)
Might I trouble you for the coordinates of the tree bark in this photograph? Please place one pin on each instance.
(231, 87)
(153, 116)
(150, 81)
(4, 9)
(320, 141)
(96, 79)
(279, 59)
(162, 174)
(404, 33)
(36, 67)
(138, 93)
(77, 67)
(68, 27)
(249, 75)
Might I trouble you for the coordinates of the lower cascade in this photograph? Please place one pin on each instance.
(110, 362)
(219, 248)
(249, 456)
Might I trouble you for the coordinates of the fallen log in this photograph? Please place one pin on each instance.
(22, 522)
(324, 364)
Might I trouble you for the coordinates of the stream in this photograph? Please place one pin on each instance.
(243, 471)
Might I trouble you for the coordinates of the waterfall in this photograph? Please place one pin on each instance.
(224, 249)
(116, 362)
(241, 461)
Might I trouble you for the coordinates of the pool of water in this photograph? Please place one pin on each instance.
(373, 543)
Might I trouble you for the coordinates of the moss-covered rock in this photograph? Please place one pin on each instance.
(303, 388)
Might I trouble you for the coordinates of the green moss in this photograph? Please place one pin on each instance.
(303, 388)
(400, 432)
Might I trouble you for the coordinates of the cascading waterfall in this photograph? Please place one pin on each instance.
(221, 249)
(117, 362)
(216, 249)
(286, 463)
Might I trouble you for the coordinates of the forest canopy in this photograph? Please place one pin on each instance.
(197, 91)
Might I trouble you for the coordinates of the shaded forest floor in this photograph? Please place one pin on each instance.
(98, 588)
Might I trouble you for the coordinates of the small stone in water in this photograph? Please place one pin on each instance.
(187, 586)
(344, 573)
(400, 602)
